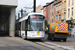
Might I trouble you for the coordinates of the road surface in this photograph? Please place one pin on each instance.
(17, 43)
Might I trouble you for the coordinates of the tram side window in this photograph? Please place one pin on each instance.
(19, 26)
(23, 26)
(26, 25)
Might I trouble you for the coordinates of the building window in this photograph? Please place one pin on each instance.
(64, 15)
(52, 13)
(48, 8)
(72, 2)
(65, 4)
(48, 14)
(23, 25)
(48, 21)
(68, 13)
(52, 20)
(52, 6)
(72, 12)
(56, 18)
(69, 3)
(59, 17)
(59, 7)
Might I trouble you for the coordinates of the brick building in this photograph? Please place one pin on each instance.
(60, 10)
(64, 10)
(45, 12)
(57, 10)
(48, 11)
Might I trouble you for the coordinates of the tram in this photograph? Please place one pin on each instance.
(31, 26)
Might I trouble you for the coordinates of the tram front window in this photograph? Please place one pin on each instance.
(36, 24)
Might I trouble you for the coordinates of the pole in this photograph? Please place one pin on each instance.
(21, 12)
(34, 10)
(18, 15)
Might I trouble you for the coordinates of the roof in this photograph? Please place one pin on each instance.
(56, 2)
(26, 17)
(48, 4)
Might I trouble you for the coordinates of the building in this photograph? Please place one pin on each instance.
(58, 10)
(64, 10)
(48, 11)
(38, 9)
(55, 11)
(70, 7)
(52, 18)
(7, 16)
(45, 12)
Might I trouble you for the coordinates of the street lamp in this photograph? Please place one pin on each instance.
(22, 12)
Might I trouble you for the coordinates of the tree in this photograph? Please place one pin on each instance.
(70, 22)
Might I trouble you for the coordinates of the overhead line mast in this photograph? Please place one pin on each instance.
(34, 10)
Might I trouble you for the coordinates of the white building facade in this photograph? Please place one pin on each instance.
(7, 16)
(70, 7)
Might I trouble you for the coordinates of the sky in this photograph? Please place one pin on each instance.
(29, 3)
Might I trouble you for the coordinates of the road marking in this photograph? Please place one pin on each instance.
(48, 46)
(60, 46)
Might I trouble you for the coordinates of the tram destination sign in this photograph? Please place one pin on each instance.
(36, 16)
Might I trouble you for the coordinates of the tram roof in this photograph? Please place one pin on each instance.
(26, 16)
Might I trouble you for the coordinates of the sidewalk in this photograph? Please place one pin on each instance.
(72, 35)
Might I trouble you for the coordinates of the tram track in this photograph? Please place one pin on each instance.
(52, 45)
(43, 44)
(47, 44)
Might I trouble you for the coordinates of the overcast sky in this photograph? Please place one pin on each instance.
(29, 3)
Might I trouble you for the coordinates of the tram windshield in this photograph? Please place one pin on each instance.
(36, 23)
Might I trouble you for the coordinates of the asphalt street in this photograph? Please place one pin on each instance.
(17, 43)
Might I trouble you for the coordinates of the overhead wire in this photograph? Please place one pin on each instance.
(29, 5)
